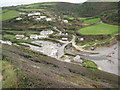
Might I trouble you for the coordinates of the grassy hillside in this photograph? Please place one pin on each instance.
(37, 5)
(9, 74)
(87, 9)
(82, 18)
(28, 10)
(99, 29)
(42, 71)
(96, 8)
(9, 14)
(91, 21)
(111, 16)
(47, 72)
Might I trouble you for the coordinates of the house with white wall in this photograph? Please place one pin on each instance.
(39, 18)
(19, 18)
(48, 19)
(22, 13)
(41, 36)
(5, 42)
(42, 17)
(64, 39)
(46, 32)
(65, 21)
(19, 36)
(34, 13)
(34, 36)
(81, 39)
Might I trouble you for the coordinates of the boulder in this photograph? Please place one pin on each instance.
(77, 59)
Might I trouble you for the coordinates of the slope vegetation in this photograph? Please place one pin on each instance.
(9, 14)
(47, 72)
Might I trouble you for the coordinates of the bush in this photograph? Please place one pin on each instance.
(89, 64)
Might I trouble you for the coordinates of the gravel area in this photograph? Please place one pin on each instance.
(48, 48)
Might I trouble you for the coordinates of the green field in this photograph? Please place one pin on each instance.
(65, 16)
(9, 14)
(48, 4)
(8, 36)
(3, 11)
(33, 5)
(31, 10)
(68, 17)
(89, 64)
(82, 18)
(39, 4)
(99, 29)
(91, 21)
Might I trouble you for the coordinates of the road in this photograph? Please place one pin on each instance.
(107, 59)
(61, 49)
(108, 64)
(81, 47)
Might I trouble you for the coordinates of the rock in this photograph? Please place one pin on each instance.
(77, 59)
(92, 48)
(81, 39)
(67, 60)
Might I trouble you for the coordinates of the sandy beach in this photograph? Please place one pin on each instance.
(111, 64)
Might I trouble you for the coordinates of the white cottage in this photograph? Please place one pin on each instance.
(41, 36)
(19, 18)
(65, 21)
(42, 17)
(5, 42)
(64, 39)
(19, 36)
(37, 36)
(48, 19)
(22, 13)
(64, 34)
(34, 36)
(35, 13)
(38, 19)
(55, 28)
(46, 32)
(81, 39)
